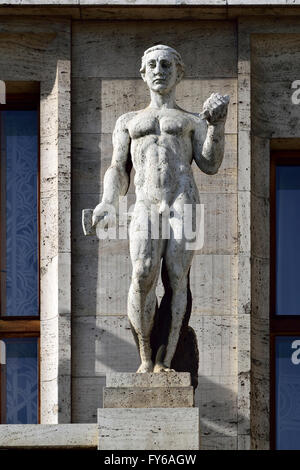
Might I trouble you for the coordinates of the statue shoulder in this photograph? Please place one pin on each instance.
(123, 121)
(199, 128)
(197, 120)
(200, 123)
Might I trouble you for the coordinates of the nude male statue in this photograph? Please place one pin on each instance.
(162, 140)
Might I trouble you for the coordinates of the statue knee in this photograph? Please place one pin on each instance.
(177, 282)
(144, 274)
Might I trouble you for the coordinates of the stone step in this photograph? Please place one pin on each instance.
(156, 397)
(151, 380)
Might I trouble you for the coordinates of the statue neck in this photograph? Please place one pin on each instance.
(163, 101)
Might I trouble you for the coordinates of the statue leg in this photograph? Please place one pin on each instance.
(177, 263)
(146, 260)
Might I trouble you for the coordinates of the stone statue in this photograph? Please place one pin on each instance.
(161, 141)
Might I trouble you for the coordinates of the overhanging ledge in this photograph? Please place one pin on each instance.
(149, 9)
(49, 436)
(148, 2)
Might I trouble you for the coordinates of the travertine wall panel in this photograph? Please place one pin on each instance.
(217, 342)
(260, 225)
(214, 284)
(103, 344)
(216, 396)
(225, 180)
(109, 276)
(220, 229)
(260, 292)
(275, 66)
(88, 395)
(209, 52)
(260, 167)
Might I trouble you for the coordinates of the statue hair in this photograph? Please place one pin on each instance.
(160, 47)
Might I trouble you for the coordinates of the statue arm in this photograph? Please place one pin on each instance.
(209, 149)
(209, 135)
(117, 177)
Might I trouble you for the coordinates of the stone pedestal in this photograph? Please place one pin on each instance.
(148, 412)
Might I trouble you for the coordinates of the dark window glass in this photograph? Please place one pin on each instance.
(287, 240)
(287, 392)
(21, 380)
(19, 255)
(19, 176)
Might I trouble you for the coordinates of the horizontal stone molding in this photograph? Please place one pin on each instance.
(66, 436)
(212, 3)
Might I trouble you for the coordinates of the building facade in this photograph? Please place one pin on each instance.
(76, 63)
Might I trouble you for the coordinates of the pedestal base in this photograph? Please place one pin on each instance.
(148, 412)
(148, 429)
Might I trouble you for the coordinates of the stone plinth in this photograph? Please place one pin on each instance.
(156, 397)
(147, 412)
(148, 429)
(171, 379)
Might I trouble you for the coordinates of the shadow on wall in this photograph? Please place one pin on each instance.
(216, 396)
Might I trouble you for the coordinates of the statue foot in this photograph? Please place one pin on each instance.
(146, 366)
(159, 367)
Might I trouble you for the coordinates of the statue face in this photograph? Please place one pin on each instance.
(161, 71)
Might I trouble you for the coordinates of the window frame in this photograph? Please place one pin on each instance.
(280, 325)
(21, 326)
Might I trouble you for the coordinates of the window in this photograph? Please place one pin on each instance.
(19, 259)
(285, 300)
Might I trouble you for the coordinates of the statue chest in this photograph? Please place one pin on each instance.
(144, 125)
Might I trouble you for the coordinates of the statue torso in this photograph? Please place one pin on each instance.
(162, 152)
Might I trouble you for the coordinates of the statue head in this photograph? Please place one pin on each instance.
(162, 68)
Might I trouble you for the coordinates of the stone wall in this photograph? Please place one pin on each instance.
(254, 60)
(275, 65)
